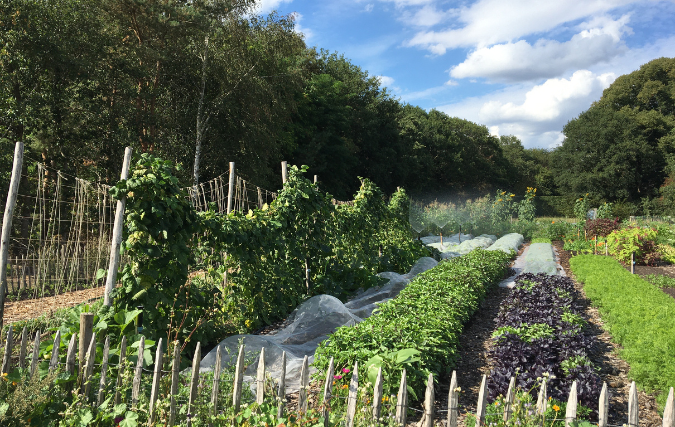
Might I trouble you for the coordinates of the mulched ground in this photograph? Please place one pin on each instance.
(30, 309)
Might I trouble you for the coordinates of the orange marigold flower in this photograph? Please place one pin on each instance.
(556, 408)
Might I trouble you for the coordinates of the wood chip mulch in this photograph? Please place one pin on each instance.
(30, 309)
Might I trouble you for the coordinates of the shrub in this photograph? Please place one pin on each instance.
(601, 227)
(428, 316)
(639, 317)
(639, 241)
(559, 230)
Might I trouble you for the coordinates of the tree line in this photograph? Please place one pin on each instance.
(204, 83)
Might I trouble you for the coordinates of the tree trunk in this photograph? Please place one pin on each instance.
(201, 123)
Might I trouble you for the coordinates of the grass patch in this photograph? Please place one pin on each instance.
(540, 240)
(638, 316)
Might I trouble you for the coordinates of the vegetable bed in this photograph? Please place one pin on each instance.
(541, 332)
(428, 316)
(638, 315)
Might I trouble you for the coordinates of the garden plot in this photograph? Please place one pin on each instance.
(536, 258)
(310, 324)
(459, 244)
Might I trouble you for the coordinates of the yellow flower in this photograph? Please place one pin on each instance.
(497, 403)
(499, 200)
(345, 386)
(556, 408)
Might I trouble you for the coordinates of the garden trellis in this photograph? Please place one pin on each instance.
(109, 378)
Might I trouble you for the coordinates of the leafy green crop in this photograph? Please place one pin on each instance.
(639, 317)
(428, 316)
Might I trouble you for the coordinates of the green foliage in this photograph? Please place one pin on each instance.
(605, 211)
(581, 207)
(631, 240)
(541, 240)
(667, 253)
(661, 281)
(638, 316)
(428, 316)
(526, 207)
(526, 332)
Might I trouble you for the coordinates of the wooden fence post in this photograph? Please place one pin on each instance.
(260, 378)
(36, 354)
(377, 396)
(194, 380)
(429, 399)
(284, 171)
(632, 263)
(453, 401)
(136, 385)
(633, 419)
(238, 380)
(571, 409)
(157, 376)
(9, 344)
(22, 351)
(70, 356)
(282, 387)
(481, 407)
(328, 391)
(104, 371)
(118, 227)
(230, 189)
(86, 329)
(669, 411)
(216, 381)
(54, 361)
(603, 406)
(7, 224)
(353, 393)
(304, 385)
(120, 369)
(175, 378)
(402, 401)
(542, 401)
(89, 367)
(510, 395)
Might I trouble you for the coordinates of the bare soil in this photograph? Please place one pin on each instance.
(30, 309)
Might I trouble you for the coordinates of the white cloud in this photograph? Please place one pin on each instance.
(266, 6)
(297, 17)
(369, 7)
(386, 80)
(427, 16)
(546, 58)
(535, 114)
(488, 22)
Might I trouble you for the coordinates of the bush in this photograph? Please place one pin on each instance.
(601, 227)
(638, 316)
(427, 316)
(559, 230)
(639, 241)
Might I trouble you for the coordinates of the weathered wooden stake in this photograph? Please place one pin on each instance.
(510, 395)
(603, 406)
(377, 396)
(104, 371)
(542, 401)
(429, 399)
(304, 385)
(316, 179)
(216, 381)
(86, 329)
(669, 410)
(136, 385)
(175, 378)
(194, 380)
(632, 263)
(120, 370)
(595, 246)
(22, 351)
(633, 419)
(230, 189)
(328, 391)
(481, 407)
(157, 376)
(402, 402)
(36, 354)
(353, 392)
(282, 387)
(260, 378)
(54, 361)
(571, 410)
(7, 224)
(238, 380)
(6, 360)
(453, 401)
(70, 356)
(284, 171)
(116, 243)
(89, 367)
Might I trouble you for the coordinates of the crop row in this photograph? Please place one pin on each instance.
(541, 333)
(427, 316)
(637, 314)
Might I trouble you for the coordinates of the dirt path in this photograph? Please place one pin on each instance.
(30, 309)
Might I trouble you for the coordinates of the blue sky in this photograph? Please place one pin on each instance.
(520, 67)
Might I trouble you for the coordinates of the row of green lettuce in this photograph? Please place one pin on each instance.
(418, 330)
(638, 315)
